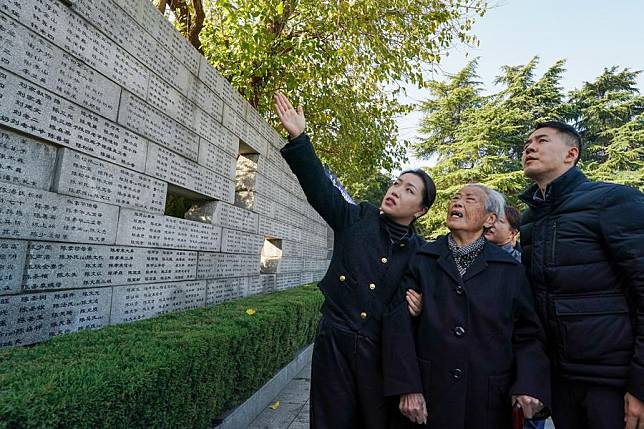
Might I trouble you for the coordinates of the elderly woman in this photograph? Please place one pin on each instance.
(477, 346)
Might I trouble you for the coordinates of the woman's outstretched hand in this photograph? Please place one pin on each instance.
(292, 120)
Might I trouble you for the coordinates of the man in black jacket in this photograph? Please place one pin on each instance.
(371, 249)
(583, 247)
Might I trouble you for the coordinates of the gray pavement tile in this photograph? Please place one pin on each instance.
(305, 373)
(297, 391)
(280, 418)
(299, 425)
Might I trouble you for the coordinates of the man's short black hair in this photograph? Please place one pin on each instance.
(573, 137)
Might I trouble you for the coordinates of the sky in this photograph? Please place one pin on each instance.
(590, 35)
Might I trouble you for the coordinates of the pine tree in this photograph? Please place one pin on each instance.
(484, 145)
(609, 113)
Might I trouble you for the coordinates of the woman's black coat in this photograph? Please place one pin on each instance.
(477, 341)
(366, 266)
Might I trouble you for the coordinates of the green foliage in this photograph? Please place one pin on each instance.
(479, 138)
(176, 371)
(337, 58)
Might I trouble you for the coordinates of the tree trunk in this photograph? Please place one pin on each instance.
(161, 6)
(197, 25)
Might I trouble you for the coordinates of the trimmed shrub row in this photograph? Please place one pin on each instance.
(180, 370)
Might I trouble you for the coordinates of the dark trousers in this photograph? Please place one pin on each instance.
(346, 381)
(582, 405)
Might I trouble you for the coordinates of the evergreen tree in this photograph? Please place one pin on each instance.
(478, 138)
(609, 113)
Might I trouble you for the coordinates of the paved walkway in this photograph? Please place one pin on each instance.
(293, 410)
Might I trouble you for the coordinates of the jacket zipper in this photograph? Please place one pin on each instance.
(554, 242)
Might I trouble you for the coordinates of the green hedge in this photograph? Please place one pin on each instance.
(179, 370)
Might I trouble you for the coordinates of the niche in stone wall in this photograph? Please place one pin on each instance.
(179, 201)
(271, 255)
(246, 176)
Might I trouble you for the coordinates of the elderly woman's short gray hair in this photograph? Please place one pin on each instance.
(494, 200)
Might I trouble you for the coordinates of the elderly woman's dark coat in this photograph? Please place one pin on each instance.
(365, 271)
(477, 341)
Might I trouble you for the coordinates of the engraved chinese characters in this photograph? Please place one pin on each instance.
(105, 111)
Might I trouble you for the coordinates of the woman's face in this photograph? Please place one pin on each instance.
(501, 232)
(404, 198)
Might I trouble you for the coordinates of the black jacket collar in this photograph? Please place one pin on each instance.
(491, 253)
(411, 235)
(561, 186)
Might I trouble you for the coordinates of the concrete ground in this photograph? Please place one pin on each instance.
(293, 410)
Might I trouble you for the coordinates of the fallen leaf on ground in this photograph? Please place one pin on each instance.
(275, 405)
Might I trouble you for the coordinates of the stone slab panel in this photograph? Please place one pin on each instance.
(314, 239)
(234, 122)
(289, 216)
(254, 285)
(170, 101)
(287, 280)
(143, 229)
(254, 139)
(57, 23)
(137, 115)
(137, 302)
(27, 213)
(173, 168)
(257, 202)
(38, 112)
(209, 101)
(218, 135)
(290, 265)
(31, 318)
(149, 18)
(217, 160)
(25, 161)
(314, 265)
(220, 290)
(71, 266)
(226, 215)
(128, 34)
(291, 249)
(241, 242)
(313, 252)
(268, 282)
(221, 265)
(212, 78)
(275, 229)
(86, 177)
(12, 261)
(40, 61)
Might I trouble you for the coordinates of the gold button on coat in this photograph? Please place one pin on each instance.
(372, 286)
(383, 260)
(363, 315)
(342, 278)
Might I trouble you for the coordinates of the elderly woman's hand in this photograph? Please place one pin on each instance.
(414, 302)
(528, 404)
(412, 406)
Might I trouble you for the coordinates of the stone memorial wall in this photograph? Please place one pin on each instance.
(105, 112)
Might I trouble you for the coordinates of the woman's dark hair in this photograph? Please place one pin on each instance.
(429, 195)
(513, 216)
